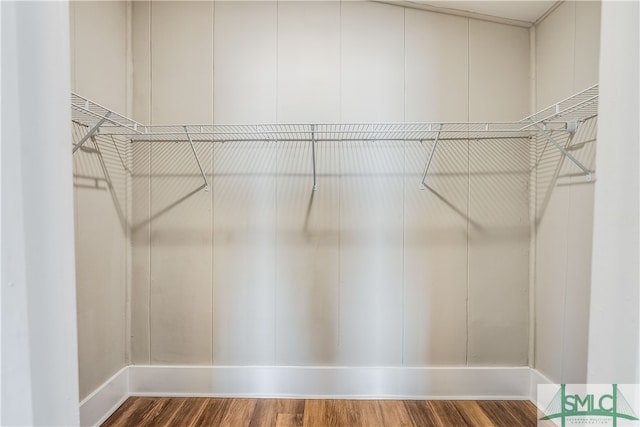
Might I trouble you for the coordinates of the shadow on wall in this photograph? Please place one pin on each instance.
(555, 170)
(499, 188)
(103, 163)
(495, 164)
(307, 253)
(175, 178)
(316, 271)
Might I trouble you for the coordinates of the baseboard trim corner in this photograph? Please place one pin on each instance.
(103, 401)
(537, 378)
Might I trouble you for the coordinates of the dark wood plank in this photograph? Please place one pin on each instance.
(154, 411)
(239, 413)
(369, 413)
(446, 413)
(142, 412)
(473, 413)
(501, 415)
(213, 412)
(330, 413)
(394, 413)
(190, 411)
(523, 410)
(267, 411)
(126, 410)
(421, 414)
(315, 413)
(347, 412)
(169, 412)
(529, 406)
(289, 420)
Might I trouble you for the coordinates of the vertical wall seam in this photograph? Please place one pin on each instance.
(338, 148)
(213, 162)
(149, 230)
(75, 41)
(275, 217)
(277, 59)
(466, 359)
(126, 188)
(340, 63)
(150, 225)
(404, 179)
(533, 192)
(129, 58)
(573, 67)
(566, 283)
(128, 185)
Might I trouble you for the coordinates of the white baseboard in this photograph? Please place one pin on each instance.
(537, 378)
(309, 382)
(334, 382)
(99, 405)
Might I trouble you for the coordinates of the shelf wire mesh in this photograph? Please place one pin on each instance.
(579, 107)
(104, 161)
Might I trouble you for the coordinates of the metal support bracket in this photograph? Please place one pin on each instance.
(313, 156)
(193, 150)
(115, 146)
(563, 150)
(110, 187)
(423, 184)
(92, 131)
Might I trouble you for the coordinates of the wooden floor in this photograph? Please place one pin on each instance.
(195, 411)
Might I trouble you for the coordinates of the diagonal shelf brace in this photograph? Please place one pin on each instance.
(313, 156)
(115, 146)
(547, 135)
(423, 185)
(193, 150)
(109, 181)
(89, 134)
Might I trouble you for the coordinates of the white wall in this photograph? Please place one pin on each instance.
(368, 270)
(498, 198)
(39, 352)
(567, 55)
(99, 72)
(614, 342)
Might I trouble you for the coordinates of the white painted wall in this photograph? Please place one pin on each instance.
(498, 199)
(39, 352)
(614, 343)
(368, 270)
(99, 71)
(140, 186)
(567, 55)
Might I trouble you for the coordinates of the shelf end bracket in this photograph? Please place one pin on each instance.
(91, 132)
(572, 131)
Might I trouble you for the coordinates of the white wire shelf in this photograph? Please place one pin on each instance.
(88, 113)
(576, 108)
(579, 107)
(563, 116)
(334, 132)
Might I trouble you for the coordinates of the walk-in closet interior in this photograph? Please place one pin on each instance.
(338, 199)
